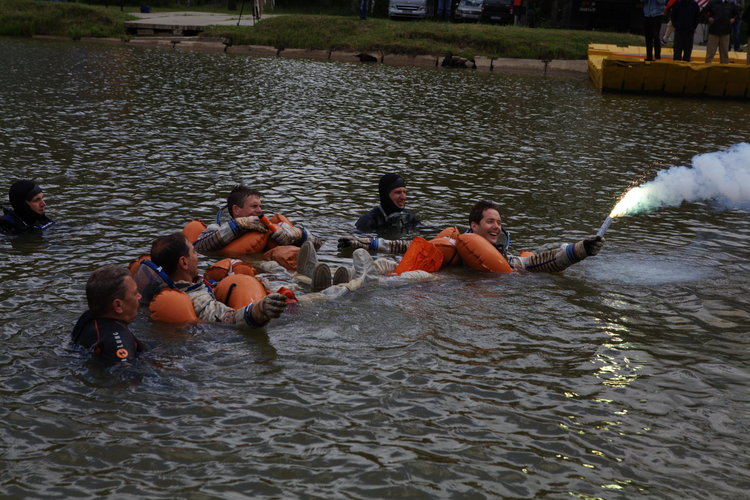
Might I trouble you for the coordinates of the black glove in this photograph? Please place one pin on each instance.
(593, 244)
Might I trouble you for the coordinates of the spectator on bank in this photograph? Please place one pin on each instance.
(720, 15)
(443, 9)
(734, 39)
(685, 15)
(653, 13)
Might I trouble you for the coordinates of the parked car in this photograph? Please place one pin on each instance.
(497, 11)
(468, 10)
(409, 9)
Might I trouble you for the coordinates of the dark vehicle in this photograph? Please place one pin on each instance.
(497, 11)
(468, 10)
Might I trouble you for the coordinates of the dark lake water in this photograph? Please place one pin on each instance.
(626, 376)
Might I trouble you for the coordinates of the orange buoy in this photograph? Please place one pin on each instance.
(172, 306)
(193, 229)
(136, 263)
(285, 256)
(480, 254)
(249, 242)
(239, 290)
(227, 267)
(445, 241)
(420, 256)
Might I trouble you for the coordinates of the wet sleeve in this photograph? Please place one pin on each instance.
(550, 261)
(209, 308)
(215, 237)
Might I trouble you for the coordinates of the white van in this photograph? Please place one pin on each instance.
(412, 9)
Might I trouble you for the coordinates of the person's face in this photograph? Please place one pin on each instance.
(127, 307)
(251, 206)
(398, 197)
(192, 261)
(489, 227)
(37, 204)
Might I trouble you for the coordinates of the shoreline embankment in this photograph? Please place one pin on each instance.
(216, 45)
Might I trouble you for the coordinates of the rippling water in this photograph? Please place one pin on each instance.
(625, 377)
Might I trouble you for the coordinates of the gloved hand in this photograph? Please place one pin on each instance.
(287, 235)
(317, 242)
(270, 307)
(352, 242)
(251, 223)
(593, 244)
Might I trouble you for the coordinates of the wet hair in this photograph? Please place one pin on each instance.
(477, 211)
(238, 195)
(105, 284)
(167, 250)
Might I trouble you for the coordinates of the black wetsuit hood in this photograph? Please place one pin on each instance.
(388, 183)
(21, 192)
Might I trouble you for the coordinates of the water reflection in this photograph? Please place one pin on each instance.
(622, 376)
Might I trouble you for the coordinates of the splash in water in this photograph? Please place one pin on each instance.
(723, 176)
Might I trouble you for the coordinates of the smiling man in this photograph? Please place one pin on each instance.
(28, 212)
(485, 220)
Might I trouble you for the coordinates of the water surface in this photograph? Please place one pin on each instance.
(624, 377)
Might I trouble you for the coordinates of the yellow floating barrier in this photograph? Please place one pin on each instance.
(624, 69)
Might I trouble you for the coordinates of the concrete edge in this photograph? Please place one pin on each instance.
(575, 67)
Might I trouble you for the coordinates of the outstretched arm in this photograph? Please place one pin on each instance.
(556, 260)
(380, 245)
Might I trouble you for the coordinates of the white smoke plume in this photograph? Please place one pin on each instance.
(723, 176)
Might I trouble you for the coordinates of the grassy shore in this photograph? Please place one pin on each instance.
(419, 37)
(35, 17)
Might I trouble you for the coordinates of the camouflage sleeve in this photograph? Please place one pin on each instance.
(208, 308)
(550, 261)
(395, 247)
(216, 237)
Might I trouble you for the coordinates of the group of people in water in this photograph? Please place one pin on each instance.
(169, 275)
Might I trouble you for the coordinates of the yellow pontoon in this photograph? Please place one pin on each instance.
(624, 69)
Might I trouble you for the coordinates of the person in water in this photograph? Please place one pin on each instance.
(245, 209)
(177, 258)
(112, 298)
(391, 215)
(486, 221)
(28, 209)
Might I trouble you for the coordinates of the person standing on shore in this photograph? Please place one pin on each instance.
(721, 15)
(685, 16)
(653, 12)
